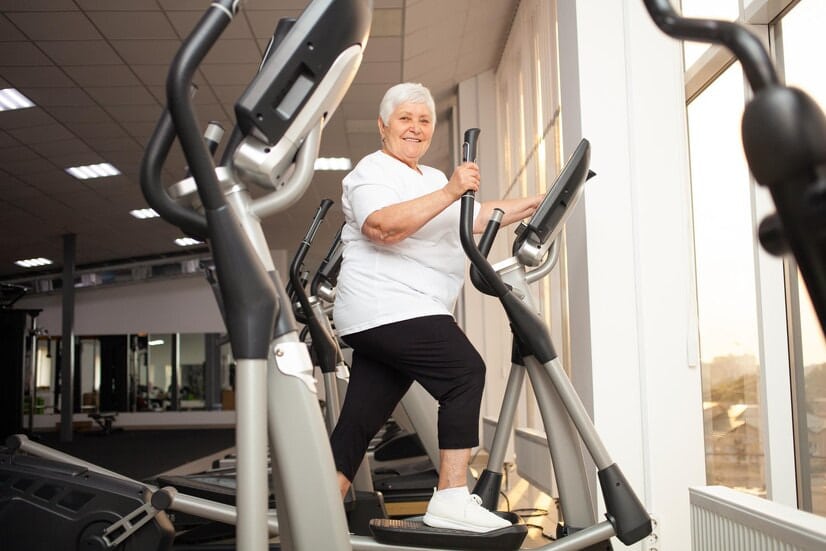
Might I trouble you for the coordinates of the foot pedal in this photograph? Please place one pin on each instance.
(416, 534)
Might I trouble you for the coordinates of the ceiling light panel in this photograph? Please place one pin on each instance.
(100, 170)
(187, 242)
(143, 214)
(333, 163)
(11, 99)
(33, 262)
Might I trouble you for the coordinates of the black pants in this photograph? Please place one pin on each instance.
(432, 351)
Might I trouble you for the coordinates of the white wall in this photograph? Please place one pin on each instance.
(184, 305)
(634, 348)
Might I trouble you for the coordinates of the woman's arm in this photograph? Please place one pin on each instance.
(515, 210)
(394, 223)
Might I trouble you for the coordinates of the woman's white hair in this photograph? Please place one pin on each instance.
(406, 92)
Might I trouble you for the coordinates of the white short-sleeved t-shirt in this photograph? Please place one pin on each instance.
(419, 276)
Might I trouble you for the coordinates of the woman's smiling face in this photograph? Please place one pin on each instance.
(408, 132)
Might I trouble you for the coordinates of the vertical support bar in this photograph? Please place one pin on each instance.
(251, 446)
(67, 359)
(212, 372)
(302, 462)
(575, 498)
(504, 426)
(175, 350)
(798, 390)
(33, 373)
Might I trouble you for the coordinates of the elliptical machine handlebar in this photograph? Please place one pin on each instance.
(296, 282)
(755, 60)
(323, 343)
(325, 278)
(527, 325)
(486, 271)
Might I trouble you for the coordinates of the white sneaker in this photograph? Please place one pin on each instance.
(461, 513)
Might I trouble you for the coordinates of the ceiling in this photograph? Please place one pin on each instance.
(96, 69)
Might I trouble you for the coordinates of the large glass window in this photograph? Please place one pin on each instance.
(726, 303)
(803, 42)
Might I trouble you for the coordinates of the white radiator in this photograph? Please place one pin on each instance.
(725, 519)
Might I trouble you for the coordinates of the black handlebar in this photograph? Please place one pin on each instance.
(486, 271)
(331, 264)
(526, 324)
(154, 157)
(485, 243)
(755, 60)
(469, 149)
(323, 345)
(297, 286)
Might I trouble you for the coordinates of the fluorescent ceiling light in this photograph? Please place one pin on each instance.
(187, 241)
(33, 262)
(143, 214)
(11, 99)
(333, 163)
(155, 342)
(93, 171)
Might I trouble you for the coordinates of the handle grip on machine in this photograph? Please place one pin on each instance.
(486, 271)
(469, 150)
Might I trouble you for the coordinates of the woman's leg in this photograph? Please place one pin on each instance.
(453, 466)
(372, 393)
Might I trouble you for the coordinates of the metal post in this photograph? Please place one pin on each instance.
(175, 345)
(67, 363)
(33, 374)
(212, 372)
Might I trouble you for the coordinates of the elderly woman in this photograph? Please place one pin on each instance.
(402, 271)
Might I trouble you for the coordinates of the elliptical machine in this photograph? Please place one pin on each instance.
(307, 70)
(564, 417)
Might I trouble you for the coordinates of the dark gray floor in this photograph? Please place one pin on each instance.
(141, 454)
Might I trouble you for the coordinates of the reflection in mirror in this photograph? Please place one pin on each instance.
(89, 372)
(138, 373)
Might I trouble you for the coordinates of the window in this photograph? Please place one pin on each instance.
(724, 255)
(802, 44)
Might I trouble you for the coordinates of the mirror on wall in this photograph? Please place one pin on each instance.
(136, 373)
